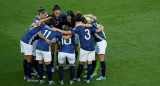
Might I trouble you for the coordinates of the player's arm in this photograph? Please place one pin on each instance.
(43, 37)
(66, 37)
(90, 15)
(61, 31)
(85, 25)
(100, 29)
(40, 21)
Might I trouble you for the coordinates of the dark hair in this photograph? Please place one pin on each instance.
(51, 21)
(66, 28)
(80, 17)
(70, 13)
(41, 10)
(77, 18)
(56, 7)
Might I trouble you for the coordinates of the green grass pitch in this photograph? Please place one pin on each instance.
(132, 28)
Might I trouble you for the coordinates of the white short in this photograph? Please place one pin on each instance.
(101, 47)
(26, 48)
(54, 40)
(62, 58)
(86, 55)
(34, 47)
(76, 39)
(43, 55)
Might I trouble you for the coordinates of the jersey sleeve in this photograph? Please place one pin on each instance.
(64, 18)
(36, 19)
(41, 25)
(75, 30)
(94, 20)
(59, 35)
(93, 30)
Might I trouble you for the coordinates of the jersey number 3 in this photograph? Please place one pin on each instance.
(88, 34)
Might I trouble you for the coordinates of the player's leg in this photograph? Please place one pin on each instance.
(101, 55)
(57, 49)
(52, 52)
(90, 58)
(40, 71)
(96, 68)
(39, 58)
(79, 70)
(71, 60)
(24, 61)
(25, 67)
(47, 59)
(76, 51)
(35, 62)
(67, 65)
(29, 66)
(82, 59)
(94, 65)
(103, 67)
(61, 60)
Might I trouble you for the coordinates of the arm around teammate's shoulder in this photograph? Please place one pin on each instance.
(100, 29)
(61, 31)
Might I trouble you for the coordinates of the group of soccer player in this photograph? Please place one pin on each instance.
(63, 33)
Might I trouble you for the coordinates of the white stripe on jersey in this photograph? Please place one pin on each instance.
(30, 41)
(99, 37)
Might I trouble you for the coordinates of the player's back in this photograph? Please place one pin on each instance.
(30, 35)
(97, 36)
(67, 45)
(36, 19)
(85, 37)
(49, 34)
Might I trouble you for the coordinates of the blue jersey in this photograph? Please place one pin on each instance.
(30, 35)
(85, 37)
(49, 34)
(61, 20)
(36, 19)
(67, 45)
(97, 36)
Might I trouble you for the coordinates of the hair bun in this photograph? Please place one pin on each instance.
(56, 6)
(39, 9)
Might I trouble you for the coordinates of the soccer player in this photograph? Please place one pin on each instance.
(42, 15)
(66, 51)
(43, 49)
(100, 47)
(60, 19)
(26, 44)
(71, 24)
(87, 50)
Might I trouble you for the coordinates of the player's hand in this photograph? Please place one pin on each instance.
(53, 29)
(48, 41)
(102, 27)
(49, 17)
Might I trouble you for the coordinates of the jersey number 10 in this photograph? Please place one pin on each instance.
(64, 41)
